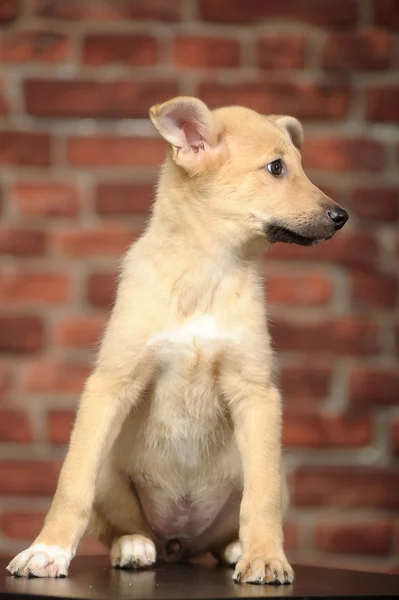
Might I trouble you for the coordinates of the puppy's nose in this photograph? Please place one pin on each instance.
(339, 216)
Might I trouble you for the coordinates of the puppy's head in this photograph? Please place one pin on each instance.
(245, 169)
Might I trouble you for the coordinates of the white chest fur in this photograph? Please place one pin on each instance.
(200, 332)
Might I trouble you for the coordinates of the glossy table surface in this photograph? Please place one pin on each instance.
(93, 578)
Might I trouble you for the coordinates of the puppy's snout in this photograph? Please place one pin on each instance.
(339, 216)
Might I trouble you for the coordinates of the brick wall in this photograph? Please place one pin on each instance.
(78, 162)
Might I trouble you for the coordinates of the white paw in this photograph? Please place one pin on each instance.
(232, 553)
(133, 552)
(41, 560)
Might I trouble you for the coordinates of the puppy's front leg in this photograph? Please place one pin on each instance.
(104, 406)
(256, 414)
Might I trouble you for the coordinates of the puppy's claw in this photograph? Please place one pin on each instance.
(237, 577)
(260, 571)
(277, 581)
(133, 552)
(41, 560)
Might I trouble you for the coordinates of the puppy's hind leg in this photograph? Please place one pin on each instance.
(134, 551)
(229, 554)
(132, 545)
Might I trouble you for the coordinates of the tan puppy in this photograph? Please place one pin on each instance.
(176, 446)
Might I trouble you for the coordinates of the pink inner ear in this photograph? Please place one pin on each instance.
(193, 137)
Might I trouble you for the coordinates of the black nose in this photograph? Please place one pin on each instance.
(339, 216)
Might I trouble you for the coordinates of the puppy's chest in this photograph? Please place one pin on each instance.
(185, 403)
(201, 336)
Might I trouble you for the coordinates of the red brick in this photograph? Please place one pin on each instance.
(46, 199)
(15, 426)
(115, 151)
(4, 101)
(108, 99)
(21, 334)
(370, 387)
(339, 13)
(21, 525)
(104, 240)
(291, 536)
(374, 290)
(79, 332)
(19, 286)
(125, 48)
(314, 100)
(356, 487)
(8, 10)
(375, 204)
(371, 49)
(29, 477)
(25, 149)
(101, 289)
(60, 425)
(22, 242)
(386, 13)
(5, 379)
(282, 51)
(304, 290)
(382, 103)
(345, 336)
(115, 198)
(109, 10)
(312, 430)
(395, 436)
(202, 52)
(344, 155)
(303, 385)
(47, 375)
(34, 46)
(373, 537)
(347, 248)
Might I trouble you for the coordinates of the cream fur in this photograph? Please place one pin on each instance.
(181, 415)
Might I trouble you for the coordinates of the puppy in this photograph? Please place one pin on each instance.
(176, 448)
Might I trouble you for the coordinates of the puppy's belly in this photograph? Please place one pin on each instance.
(185, 518)
(184, 476)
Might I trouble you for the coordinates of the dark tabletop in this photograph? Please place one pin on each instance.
(93, 578)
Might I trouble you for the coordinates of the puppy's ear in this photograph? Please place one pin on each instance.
(189, 126)
(294, 128)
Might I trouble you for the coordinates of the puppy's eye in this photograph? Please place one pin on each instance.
(275, 167)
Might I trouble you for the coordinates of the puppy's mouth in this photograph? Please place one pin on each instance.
(279, 233)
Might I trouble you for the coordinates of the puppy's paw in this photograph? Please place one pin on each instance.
(231, 554)
(41, 560)
(133, 552)
(260, 571)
